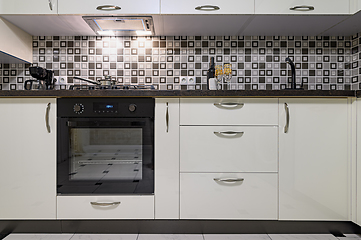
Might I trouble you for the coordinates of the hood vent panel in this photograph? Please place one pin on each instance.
(121, 25)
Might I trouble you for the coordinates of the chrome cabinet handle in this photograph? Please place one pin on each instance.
(229, 105)
(108, 8)
(104, 203)
(50, 5)
(207, 8)
(302, 8)
(47, 118)
(230, 133)
(228, 180)
(287, 118)
(167, 118)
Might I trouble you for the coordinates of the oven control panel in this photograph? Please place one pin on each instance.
(106, 107)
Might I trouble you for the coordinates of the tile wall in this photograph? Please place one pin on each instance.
(171, 63)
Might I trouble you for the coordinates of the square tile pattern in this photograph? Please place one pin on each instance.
(258, 62)
(179, 237)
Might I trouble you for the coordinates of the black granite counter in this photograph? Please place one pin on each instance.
(178, 93)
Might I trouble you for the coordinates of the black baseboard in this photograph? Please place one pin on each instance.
(178, 226)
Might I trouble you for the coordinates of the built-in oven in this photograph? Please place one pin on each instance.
(105, 146)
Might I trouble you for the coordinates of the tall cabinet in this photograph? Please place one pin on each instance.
(313, 159)
(28, 158)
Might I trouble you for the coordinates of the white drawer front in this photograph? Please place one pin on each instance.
(204, 198)
(228, 149)
(283, 7)
(228, 111)
(225, 6)
(129, 207)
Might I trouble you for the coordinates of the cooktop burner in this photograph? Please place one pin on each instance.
(114, 87)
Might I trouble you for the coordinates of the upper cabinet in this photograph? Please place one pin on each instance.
(29, 7)
(302, 7)
(207, 7)
(16, 47)
(108, 7)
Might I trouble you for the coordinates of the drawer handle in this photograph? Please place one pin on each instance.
(104, 203)
(229, 134)
(302, 8)
(108, 8)
(228, 180)
(207, 8)
(229, 105)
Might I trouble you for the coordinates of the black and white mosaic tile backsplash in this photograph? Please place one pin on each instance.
(322, 63)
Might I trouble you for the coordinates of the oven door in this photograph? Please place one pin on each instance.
(105, 156)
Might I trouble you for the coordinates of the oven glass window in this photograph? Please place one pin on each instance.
(106, 154)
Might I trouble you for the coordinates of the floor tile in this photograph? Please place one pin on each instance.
(104, 237)
(236, 237)
(19, 236)
(170, 237)
(302, 237)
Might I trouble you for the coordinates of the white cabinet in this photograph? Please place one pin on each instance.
(105, 207)
(28, 158)
(319, 7)
(122, 7)
(228, 158)
(355, 6)
(313, 159)
(207, 7)
(16, 47)
(166, 158)
(29, 7)
(249, 196)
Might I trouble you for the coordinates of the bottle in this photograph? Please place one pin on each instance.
(210, 74)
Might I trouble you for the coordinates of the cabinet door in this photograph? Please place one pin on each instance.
(313, 159)
(28, 158)
(166, 158)
(207, 7)
(283, 7)
(126, 7)
(29, 7)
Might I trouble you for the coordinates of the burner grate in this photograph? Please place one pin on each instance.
(114, 87)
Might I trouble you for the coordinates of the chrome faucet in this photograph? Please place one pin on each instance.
(293, 83)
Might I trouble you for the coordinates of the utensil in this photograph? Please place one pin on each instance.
(107, 81)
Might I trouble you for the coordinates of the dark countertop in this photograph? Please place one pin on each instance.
(179, 93)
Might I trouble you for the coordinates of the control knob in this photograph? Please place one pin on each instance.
(78, 108)
(132, 107)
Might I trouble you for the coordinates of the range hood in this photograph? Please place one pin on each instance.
(121, 25)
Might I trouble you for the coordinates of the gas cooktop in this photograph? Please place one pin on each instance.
(114, 87)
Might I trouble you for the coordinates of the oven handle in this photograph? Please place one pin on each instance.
(104, 204)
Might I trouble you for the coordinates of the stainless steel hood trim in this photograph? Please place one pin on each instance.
(131, 24)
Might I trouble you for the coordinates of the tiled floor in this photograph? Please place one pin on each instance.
(180, 237)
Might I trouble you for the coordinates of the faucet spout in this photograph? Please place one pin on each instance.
(293, 83)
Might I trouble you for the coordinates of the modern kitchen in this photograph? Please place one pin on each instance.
(201, 119)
